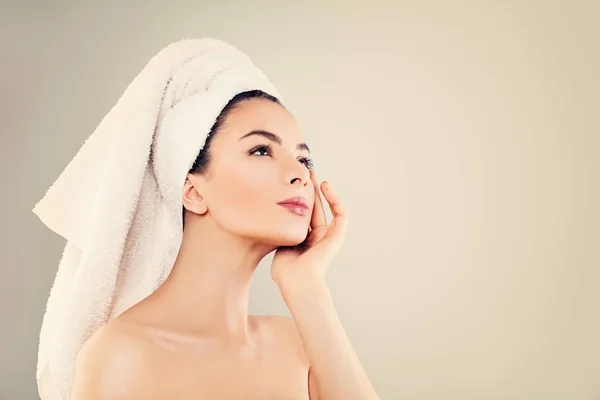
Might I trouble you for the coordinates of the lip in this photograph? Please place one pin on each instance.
(296, 205)
(297, 201)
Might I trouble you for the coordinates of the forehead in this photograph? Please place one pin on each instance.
(262, 114)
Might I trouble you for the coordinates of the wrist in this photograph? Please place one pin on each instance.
(294, 286)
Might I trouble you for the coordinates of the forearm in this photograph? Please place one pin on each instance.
(334, 363)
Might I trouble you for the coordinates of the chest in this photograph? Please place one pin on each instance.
(259, 375)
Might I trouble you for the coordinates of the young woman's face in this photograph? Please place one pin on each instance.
(250, 173)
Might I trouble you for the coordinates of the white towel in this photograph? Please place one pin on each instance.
(118, 202)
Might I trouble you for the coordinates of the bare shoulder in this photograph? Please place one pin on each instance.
(283, 330)
(286, 330)
(112, 363)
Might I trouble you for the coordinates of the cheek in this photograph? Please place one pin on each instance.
(245, 198)
(244, 201)
(245, 190)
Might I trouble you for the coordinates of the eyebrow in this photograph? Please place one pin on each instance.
(274, 138)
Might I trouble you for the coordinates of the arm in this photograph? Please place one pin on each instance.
(335, 367)
(299, 272)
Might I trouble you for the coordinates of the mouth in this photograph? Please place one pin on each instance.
(296, 205)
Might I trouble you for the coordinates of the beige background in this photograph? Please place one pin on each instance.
(463, 137)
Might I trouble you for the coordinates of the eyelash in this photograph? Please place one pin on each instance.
(307, 160)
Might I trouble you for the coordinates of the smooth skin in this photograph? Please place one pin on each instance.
(193, 338)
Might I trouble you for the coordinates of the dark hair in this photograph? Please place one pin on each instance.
(202, 162)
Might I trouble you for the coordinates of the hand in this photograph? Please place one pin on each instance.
(311, 259)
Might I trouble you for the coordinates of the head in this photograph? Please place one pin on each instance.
(253, 158)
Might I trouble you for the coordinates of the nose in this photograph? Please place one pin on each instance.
(296, 172)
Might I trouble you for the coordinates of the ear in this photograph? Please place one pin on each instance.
(191, 196)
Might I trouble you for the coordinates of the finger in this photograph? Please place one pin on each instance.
(340, 217)
(318, 217)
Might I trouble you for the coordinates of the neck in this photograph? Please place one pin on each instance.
(208, 289)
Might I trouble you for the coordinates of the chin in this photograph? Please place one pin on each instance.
(291, 237)
(291, 242)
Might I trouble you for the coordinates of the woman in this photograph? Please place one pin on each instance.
(251, 191)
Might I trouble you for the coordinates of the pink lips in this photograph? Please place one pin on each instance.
(296, 205)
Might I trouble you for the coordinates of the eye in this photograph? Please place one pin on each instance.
(307, 161)
(265, 147)
(262, 147)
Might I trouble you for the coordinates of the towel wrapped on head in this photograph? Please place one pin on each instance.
(118, 201)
